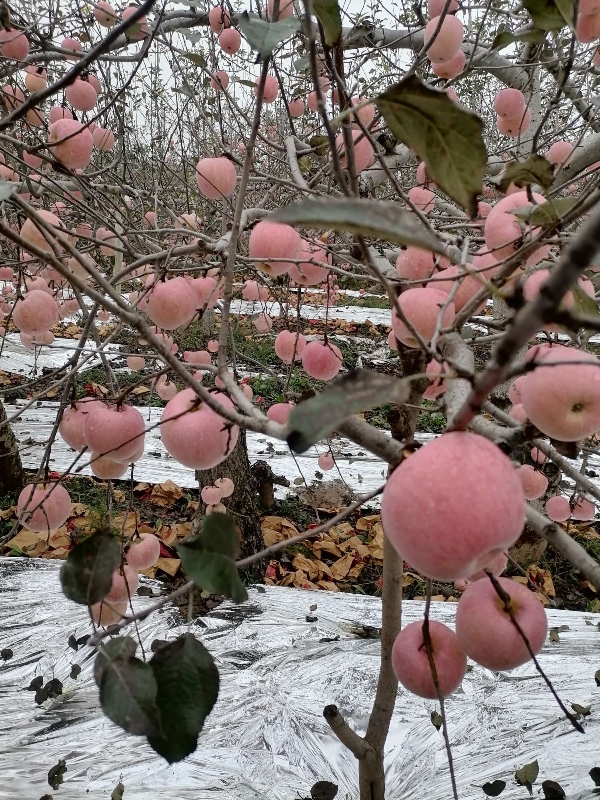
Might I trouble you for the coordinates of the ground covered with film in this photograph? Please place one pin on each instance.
(159, 495)
(283, 656)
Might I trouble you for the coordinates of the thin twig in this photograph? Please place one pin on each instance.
(506, 599)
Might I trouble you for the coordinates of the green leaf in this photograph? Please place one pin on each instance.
(583, 710)
(320, 144)
(183, 89)
(323, 790)
(249, 84)
(304, 165)
(117, 792)
(193, 36)
(302, 63)
(534, 170)
(6, 190)
(209, 559)
(567, 11)
(188, 687)
(546, 213)
(527, 775)
(86, 575)
(505, 38)
(196, 58)
(447, 137)
(127, 687)
(133, 29)
(118, 647)
(583, 303)
(265, 36)
(550, 15)
(328, 14)
(36, 683)
(436, 720)
(372, 218)
(359, 390)
(594, 774)
(56, 773)
(552, 790)
(51, 690)
(494, 788)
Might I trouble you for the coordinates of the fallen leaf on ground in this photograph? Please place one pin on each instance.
(355, 571)
(29, 542)
(165, 494)
(542, 578)
(305, 564)
(355, 543)
(60, 552)
(324, 569)
(437, 598)
(80, 510)
(143, 527)
(376, 544)
(128, 522)
(341, 567)
(276, 529)
(60, 538)
(168, 565)
(320, 547)
(98, 389)
(329, 586)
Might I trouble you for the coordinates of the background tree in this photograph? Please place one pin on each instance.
(159, 162)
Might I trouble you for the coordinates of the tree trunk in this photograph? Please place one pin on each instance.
(501, 313)
(369, 750)
(403, 419)
(242, 505)
(11, 470)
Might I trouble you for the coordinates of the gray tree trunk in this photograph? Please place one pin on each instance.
(243, 503)
(11, 469)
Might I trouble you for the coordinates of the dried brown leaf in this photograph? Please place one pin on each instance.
(29, 542)
(165, 494)
(341, 567)
(324, 547)
(305, 564)
(168, 565)
(366, 523)
(128, 522)
(355, 571)
(542, 579)
(329, 586)
(59, 553)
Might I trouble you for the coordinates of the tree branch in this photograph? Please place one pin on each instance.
(355, 743)
(575, 257)
(391, 611)
(560, 540)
